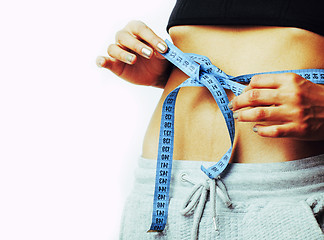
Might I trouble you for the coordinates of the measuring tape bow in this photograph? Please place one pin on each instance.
(201, 73)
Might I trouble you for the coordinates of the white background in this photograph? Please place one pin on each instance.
(70, 133)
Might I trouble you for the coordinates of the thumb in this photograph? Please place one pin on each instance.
(158, 55)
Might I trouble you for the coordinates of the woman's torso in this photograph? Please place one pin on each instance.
(200, 131)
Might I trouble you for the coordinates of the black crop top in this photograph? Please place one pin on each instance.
(303, 14)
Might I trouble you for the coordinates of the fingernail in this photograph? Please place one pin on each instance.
(162, 48)
(100, 61)
(230, 105)
(129, 58)
(235, 115)
(255, 129)
(147, 52)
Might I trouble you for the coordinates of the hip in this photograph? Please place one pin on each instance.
(259, 201)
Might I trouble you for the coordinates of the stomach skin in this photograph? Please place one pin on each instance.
(200, 130)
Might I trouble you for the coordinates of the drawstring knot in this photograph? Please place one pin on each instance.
(196, 200)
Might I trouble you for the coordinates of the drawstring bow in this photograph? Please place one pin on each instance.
(196, 200)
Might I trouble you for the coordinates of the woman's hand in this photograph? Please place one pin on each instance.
(134, 57)
(289, 105)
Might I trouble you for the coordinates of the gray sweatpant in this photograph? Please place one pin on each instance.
(267, 201)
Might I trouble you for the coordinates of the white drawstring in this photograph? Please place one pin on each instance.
(196, 200)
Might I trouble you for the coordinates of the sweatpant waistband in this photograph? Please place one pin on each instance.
(298, 179)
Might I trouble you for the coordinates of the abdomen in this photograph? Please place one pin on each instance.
(200, 131)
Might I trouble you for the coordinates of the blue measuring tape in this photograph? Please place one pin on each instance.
(201, 73)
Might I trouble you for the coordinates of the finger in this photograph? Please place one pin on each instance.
(126, 40)
(260, 114)
(110, 63)
(256, 97)
(277, 131)
(100, 61)
(120, 54)
(143, 32)
(266, 81)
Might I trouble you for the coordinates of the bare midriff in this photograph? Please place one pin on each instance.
(200, 130)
